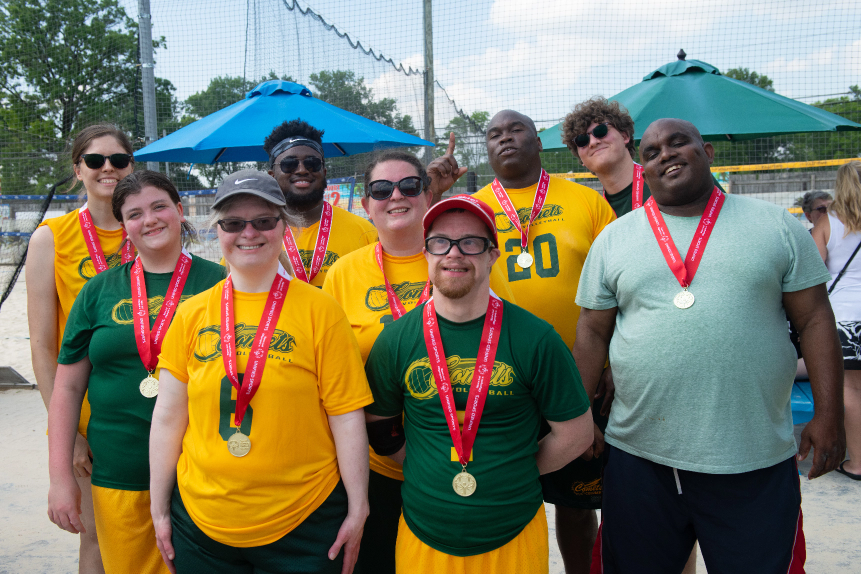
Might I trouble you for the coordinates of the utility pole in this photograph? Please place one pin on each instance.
(429, 100)
(147, 76)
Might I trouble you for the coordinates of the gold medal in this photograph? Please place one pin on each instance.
(239, 444)
(524, 260)
(683, 299)
(464, 483)
(149, 387)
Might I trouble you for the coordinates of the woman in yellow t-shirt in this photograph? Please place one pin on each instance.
(375, 285)
(258, 449)
(59, 264)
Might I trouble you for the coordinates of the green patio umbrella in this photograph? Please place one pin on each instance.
(722, 108)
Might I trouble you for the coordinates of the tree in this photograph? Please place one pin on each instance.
(471, 149)
(745, 75)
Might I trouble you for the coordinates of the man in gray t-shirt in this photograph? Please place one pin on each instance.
(700, 442)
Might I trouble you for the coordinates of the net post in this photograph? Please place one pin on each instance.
(147, 76)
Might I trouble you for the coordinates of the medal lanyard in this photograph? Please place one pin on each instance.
(511, 212)
(320, 246)
(149, 342)
(395, 305)
(636, 188)
(94, 248)
(480, 378)
(262, 338)
(685, 271)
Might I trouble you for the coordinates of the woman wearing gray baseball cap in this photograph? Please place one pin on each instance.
(258, 449)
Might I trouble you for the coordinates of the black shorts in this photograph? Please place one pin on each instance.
(577, 484)
(746, 523)
(377, 551)
(850, 339)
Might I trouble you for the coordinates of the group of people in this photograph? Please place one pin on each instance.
(403, 396)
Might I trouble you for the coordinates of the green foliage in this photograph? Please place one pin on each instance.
(470, 147)
(745, 75)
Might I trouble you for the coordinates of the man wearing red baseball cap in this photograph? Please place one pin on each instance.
(460, 385)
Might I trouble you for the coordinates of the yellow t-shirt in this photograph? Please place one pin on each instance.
(73, 268)
(559, 239)
(358, 285)
(349, 232)
(313, 370)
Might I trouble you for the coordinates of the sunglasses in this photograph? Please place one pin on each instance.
(466, 245)
(97, 160)
(599, 131)
(383, 189)
(823, 209)
(238, 225)
(291, 164)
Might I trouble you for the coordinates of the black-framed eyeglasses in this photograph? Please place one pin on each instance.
(291, 164)
(381, 189)
(466, 245)
(97, 160)
(238, 225)
(823, 209)
(598, 131)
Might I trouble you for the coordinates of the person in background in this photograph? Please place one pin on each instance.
(64, 253)
(838, 237)
(110, 351)
(815, 204)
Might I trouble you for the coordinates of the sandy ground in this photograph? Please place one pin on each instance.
(31, 544)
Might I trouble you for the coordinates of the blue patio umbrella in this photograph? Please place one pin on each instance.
(236, 133)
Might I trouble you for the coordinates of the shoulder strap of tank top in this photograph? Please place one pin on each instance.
(845, 267)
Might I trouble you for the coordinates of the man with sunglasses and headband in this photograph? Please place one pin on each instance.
(317, 234)
(376, 285)
(471, 375)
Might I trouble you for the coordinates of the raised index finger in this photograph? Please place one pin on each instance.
(450, 149)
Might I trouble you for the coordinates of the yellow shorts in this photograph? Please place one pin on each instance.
(527, 553)
(125, 530)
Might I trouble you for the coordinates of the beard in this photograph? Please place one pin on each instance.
(454, 287)
(303, 201)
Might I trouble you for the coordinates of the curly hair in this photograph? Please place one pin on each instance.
(292, 128)
(596, 110)
(396, 155)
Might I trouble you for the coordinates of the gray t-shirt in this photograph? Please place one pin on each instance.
(705, 389)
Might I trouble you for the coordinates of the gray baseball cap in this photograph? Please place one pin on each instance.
(252, 182)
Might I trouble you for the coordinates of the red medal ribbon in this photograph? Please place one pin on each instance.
(685, 271)
(91, 238)
(149, 342)
(636, 188)
(262, 338)
(511, 213)
(480, 378)
(395, 305)
(320, 246)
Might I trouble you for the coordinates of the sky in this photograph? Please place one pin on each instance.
(540, 58)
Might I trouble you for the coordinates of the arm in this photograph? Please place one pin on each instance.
(810, 312)
(169, 422)
(64, 496)
(401, 453)
(42, 310)
(351, 443)
(444, 172)
(567, 440)
(820, 233)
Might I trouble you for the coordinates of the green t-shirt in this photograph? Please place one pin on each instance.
(101, 326)
(533, 375)
(621, 202)
(705, 389)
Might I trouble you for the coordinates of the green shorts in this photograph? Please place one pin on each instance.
(303, 550)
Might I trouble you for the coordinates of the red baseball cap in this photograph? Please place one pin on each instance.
(467, 202)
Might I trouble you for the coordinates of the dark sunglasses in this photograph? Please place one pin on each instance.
(97, 160)
(291, 164)
(599, 131)
(380, 189)
(466, 245)
(238, 225)
(823, 209)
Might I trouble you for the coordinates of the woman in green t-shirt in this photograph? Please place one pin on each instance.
(110, 348)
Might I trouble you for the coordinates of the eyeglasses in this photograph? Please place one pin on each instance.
(381, 189)
(97, 160)
(291, 164)
(466, 245)
(238, 225)
(598, 131)
(823, 209)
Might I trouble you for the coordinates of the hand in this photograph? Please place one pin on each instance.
(444, 171)
(828, 439)
(163, 538)
(597, 447)
(349, 536)
(82, 457)
(64, 505)
(607, 389)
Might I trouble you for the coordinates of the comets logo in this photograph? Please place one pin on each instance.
(503, 225)
(308, 254)
(408, 292)
(87, 270)
(123, 312)
(421, 384)
(208, 344)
